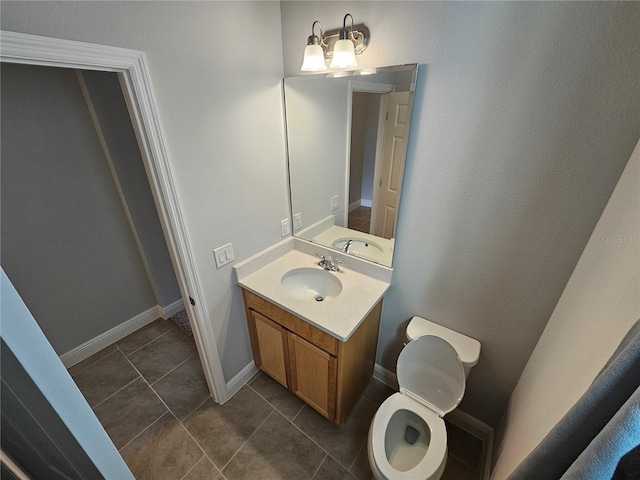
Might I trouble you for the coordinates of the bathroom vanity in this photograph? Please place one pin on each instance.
(322, 351)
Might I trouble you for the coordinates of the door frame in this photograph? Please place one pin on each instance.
(131, 67)
(364, 87)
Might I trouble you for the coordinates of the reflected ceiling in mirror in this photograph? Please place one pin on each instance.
(347, 135)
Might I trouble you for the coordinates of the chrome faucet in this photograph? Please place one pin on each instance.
(330, 265)
(345, 249)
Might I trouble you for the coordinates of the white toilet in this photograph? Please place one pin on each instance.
(407, 437)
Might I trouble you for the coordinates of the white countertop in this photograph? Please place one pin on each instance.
(339, 316)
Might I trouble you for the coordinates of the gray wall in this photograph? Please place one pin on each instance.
(525, 116)
(66, 243)
(115, 124)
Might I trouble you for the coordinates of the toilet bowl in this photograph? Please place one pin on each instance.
(407, 437)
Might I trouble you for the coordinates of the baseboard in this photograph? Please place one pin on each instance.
(463, 420)
(365, 203)
(242, 377)
(385, 376)
(107, 338)
(354, 205)
(171, 309)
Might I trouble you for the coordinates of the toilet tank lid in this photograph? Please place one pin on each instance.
(468, 348)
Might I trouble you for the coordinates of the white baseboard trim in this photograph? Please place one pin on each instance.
(242, 377)
(110, 336)
(463, 420)
(354, 205)
(171, 309)
(365, 203)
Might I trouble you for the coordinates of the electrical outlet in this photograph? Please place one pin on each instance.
(334, 203)
(223, 255)
(297, 221)
(284, 227)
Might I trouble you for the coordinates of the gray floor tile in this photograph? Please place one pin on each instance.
(464, 446)
(204, 470)
(342, 443)
(278, 396)
(184, 388)
(163, 451)
(128, 412)
(105, 377)
(222, 429)
(277, 450)
(144, 335)
(157, 358)
(331, 470)
(378, 392)
(361, 469)
(91, 360)
(456, 470)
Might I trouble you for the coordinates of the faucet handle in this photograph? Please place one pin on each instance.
(321, 257)
(335, 267)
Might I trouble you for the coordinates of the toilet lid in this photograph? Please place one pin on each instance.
(430, 372)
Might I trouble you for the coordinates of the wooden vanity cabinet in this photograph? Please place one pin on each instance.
(327, 374)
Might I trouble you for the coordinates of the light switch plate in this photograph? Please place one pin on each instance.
(223, 255)
(284, 227)
(334, 203)
(297, 221)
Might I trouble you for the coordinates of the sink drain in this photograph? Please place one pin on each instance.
(319, 298)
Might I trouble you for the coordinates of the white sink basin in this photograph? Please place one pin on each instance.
(361, 247)
(311, 284)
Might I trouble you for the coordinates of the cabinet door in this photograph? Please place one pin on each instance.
(313, 375)
(271, 340)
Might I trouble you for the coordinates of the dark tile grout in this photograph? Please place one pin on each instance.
(247, 384)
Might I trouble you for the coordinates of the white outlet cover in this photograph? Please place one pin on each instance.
(297, 221)
(284, 227)
(334, 202)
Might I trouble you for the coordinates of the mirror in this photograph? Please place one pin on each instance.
(347, 141)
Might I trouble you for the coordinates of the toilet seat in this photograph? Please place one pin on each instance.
(432, 382)
(436, 454)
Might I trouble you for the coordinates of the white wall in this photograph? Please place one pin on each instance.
(597, 308)
(66, 242)
(221, 114)
(115, 126)
(525, 116)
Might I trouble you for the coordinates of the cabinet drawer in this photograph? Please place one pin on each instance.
(291, 322)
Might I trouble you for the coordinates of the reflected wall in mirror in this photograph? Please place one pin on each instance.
(347, 139)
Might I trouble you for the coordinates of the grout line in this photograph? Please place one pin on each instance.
(143, 430)
(194, 466)
(181, 363)
(141, 347)
(116, 392)
(318, 467)
(296, 426)
(364, 445)
(250, 436)
(92, 364)
(195, 409)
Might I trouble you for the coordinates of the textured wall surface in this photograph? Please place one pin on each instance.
(219, 97)
(526, 114)
(598, 306)
(66, 242)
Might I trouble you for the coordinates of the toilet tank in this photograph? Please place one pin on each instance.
(468, 348)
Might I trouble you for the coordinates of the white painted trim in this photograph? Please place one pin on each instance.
(377, 163)
(171, 309)
(110, 336)
(385, 376)
(365, 203)
(241, 378)
(131, 65)
(463, 420)
(354, 205)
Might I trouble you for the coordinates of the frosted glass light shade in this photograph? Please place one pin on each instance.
(344, 55)
(313, 59)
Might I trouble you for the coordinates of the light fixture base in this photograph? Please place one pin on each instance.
(361, 34)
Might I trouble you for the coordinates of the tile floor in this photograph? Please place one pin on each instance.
(360, 219)
(149, 392)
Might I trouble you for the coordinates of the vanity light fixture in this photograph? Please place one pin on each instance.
(341, 45)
